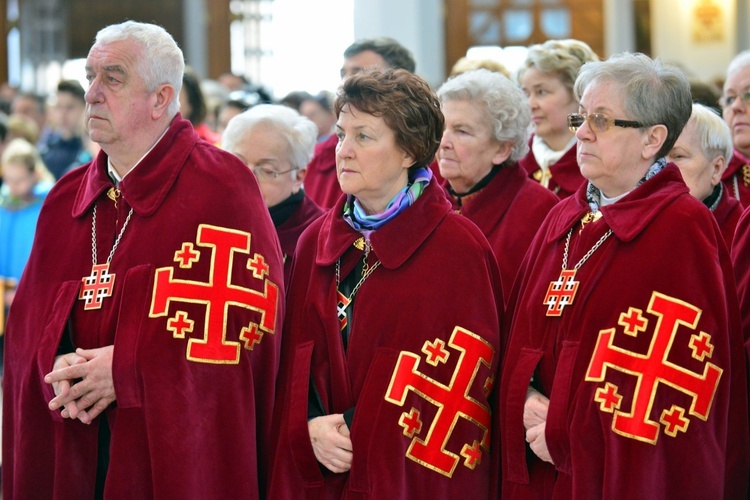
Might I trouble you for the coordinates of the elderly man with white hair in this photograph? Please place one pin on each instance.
(141, 355)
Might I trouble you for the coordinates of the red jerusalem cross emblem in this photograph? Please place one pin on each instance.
(218, 294)
(96, 287)
(654, 371)
(453, 401)
(561, 292)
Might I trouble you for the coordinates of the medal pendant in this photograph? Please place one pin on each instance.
(96, 287)
(561, 292)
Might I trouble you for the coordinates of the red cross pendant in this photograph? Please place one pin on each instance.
(96, 287)
(561, 292)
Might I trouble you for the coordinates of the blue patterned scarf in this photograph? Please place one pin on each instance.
(356, 216)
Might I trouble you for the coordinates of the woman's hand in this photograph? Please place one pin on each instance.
(329, 436)
(535, 409)
(538, 442)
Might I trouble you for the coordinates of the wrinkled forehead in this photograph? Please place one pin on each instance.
(122, 55)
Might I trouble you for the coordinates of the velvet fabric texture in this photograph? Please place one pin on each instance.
(736, 178)
(727, 214)
(640, 405)
(321, 181)
(291, 229)
(436, 294)
(566, 175)
(509, 211)
(194, 382)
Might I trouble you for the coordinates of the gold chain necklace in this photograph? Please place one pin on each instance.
(562, 291)
(100, 283)
(343, 300)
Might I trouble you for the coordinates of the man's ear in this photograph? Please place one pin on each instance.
(164, 95)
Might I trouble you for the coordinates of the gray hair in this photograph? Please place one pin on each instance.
(740, 61)
(561, 58)
(653, 93)
(713, 131)
(300, 133)
(504, 105)
(160, 63)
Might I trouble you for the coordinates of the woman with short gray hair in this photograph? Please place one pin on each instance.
(486, 132)
(626, 285)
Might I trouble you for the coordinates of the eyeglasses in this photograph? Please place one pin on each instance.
(599, 122)
(268, 174)
(728, 100)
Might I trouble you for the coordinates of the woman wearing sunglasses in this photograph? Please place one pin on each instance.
(624, 316)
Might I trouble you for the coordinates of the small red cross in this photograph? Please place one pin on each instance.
(411, 423)
(180, 324)
(674, 421)
(96, 287)
(472, 455)
(561, 292)
(251, 335)
(701, 346)
(186, 256)
(435, 352)
(633, 322)
(608, 398)
(258, 266)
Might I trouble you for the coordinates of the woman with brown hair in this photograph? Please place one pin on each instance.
(391, 344)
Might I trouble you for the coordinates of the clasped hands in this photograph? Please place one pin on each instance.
(329, 436)
(535, 423)
(82, 382)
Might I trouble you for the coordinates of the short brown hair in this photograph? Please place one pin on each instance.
(405, 102)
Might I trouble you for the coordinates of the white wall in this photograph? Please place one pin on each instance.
(417, 24)
(672, 38)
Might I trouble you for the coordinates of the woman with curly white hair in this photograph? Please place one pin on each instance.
(486, 132)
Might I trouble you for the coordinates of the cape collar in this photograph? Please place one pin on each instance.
(736, 162)
(145, 187)
(631, 215)
(393, 243)
(486, 207)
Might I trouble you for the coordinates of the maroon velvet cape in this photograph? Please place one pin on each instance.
(194, 402)
(431, 308)
(727, 214)
(566, 175)
(734, 180)
(660, 288)
(509, 211)
(321, 181)
(290, 231)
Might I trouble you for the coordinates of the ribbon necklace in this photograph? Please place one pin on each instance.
(100, 283)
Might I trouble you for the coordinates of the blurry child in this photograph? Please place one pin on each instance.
(26, 182)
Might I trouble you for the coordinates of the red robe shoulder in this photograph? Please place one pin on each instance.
(508, 211)
(736, 178)
(194, 315)
(419, 366)
(321, 182)
(566, 176)
(290, 231)
(643, 364)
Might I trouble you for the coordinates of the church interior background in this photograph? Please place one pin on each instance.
(297, 44)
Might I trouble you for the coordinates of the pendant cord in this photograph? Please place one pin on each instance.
(588, 254)
(117, 241)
